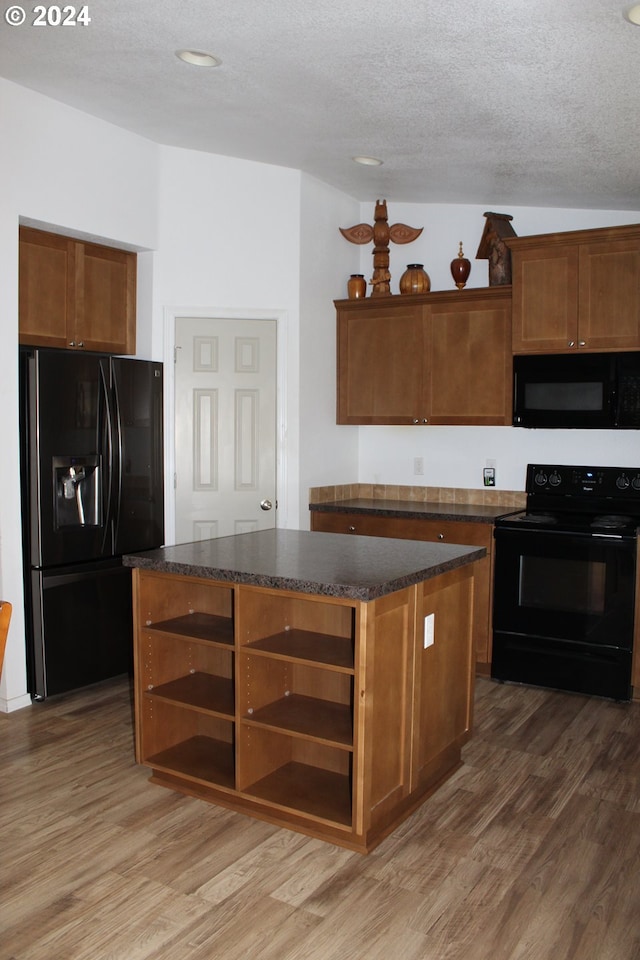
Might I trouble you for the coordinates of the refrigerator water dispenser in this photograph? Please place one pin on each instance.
(76, 485)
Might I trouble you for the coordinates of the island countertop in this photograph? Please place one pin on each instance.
(358, 568)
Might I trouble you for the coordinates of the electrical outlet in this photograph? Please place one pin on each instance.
(489, 476)
(418, 466)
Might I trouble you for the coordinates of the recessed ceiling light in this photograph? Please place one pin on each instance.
(633, 14)
(368, 161)
(198, 59)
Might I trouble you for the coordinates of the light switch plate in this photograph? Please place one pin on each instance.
(429, 630)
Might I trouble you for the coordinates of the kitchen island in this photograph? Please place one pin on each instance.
(319, 682)
(442, 522)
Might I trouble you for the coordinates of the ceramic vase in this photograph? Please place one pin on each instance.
(415, 279)
(356, 286)
(460, 269)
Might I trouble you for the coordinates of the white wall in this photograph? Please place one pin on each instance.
(212, 233)
(229, 240)
(63, 169)
(328, 453)
(455, 456)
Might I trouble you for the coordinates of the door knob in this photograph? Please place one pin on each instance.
(265, 505)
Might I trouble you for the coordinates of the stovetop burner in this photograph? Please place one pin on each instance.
(572, 522)
(611, 521)
(592, 500)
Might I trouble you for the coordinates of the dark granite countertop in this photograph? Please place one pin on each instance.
(416, 510)
(330, 564)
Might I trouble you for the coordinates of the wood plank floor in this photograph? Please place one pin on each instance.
(530, 852)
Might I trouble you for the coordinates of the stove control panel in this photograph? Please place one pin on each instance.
(584, 483)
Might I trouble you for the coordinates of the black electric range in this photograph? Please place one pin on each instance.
(565, 581)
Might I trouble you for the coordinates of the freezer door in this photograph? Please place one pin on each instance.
(65, 457)
(138, 455)
(81, 630)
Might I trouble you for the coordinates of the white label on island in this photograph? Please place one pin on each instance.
(429, 630)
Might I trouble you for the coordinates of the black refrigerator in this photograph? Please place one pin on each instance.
(92, 490)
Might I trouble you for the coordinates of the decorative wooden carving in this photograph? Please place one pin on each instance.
(493, 248)
(381, 233)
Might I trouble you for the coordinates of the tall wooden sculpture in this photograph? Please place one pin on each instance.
(381, 233)
(494, 249)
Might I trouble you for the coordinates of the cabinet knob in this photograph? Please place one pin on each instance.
(571, 343)
(351, 529)
(582, 343)
(425, 420)
(415, 420)
(72, 343)
(441, 536)
(81, 343)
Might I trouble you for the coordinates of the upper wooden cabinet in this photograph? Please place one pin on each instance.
(76, 295)
(435, 358)
(576, 291)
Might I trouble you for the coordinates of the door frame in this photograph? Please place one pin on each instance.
(171, 315)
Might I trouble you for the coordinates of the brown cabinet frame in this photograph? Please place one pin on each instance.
(437, 358)
(76, 295)
(315, 713)
(578, 290)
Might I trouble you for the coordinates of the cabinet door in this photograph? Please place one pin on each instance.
(385, 699)
(610, 295)
(443, 667)
(545, 299)
(381, 362)
(105, 298)
(47, 289)
(76, 295)
(471, 363)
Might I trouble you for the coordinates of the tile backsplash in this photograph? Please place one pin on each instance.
(376, 491)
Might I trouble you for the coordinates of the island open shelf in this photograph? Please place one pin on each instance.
(198, 626)
(335, 653)
(319, 711)
(309, 717)
(199, 759)
(203, 692)
(323, 795)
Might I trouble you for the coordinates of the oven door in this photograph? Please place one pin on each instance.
(563, 611)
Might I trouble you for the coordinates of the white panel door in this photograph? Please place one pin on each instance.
(225, 427)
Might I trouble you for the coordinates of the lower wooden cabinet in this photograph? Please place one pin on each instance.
(444, 531)
(324, 715)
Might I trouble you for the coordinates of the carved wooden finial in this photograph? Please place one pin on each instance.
(494, 249)
(381, 233)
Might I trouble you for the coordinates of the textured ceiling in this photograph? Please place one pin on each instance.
(527, 102)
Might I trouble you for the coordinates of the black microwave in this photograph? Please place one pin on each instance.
(589, 390)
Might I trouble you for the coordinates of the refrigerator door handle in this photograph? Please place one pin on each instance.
(107, 439)
(117, 473)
